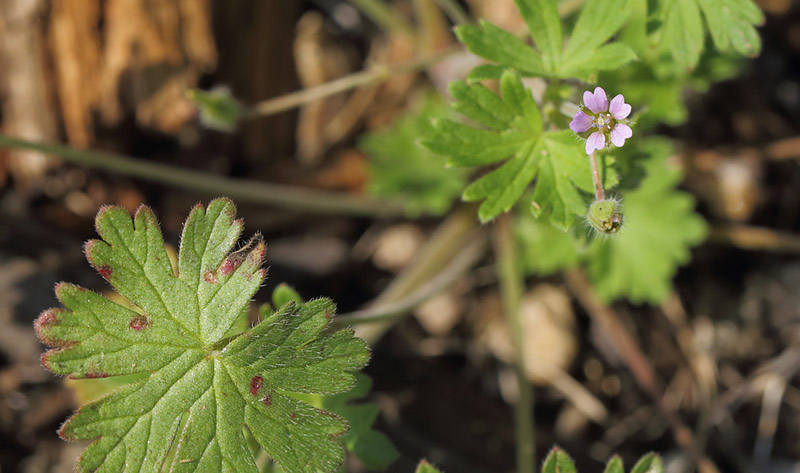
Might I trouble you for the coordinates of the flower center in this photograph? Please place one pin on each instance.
(603, 121)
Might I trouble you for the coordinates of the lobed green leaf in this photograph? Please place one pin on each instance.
(608, 57)
(515, 134)
(544, 24)
(498, 45)
(401, 169)
(501, 188)
(201, 390)
(730, 23)
(598, 21)
(565, 172)
(683, 32)
(469, 146)
(544, 249)
(658, 216)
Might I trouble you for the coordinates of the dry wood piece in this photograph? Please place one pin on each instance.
(28, 109)
(121, 56)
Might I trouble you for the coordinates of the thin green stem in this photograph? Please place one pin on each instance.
(511, 288)
(289, 197)
(598, 183)
(454, 11)
(383, 16)
(373, 75)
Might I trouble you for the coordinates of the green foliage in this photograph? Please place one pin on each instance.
(373, 448)
(201, 386)
(731, 24)
(558, 461)
(402, 169)
(513, 134)
(586, 52)
(639, 262)
(614, 465)
(285, 294)
(661, 226)
(650, 463)
(543, 248)
(217, 108)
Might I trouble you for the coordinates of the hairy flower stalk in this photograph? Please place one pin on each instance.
(607, 122)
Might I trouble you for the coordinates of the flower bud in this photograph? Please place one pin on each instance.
(605, 216)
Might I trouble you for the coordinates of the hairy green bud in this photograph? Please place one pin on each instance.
(605, 216)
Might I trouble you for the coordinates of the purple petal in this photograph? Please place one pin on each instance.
(595, 141)
(620, 133)
(597, 102)
(580, 122)
(619, 108)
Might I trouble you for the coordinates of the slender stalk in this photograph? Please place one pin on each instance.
(599, 194)
(289, 197)
(469, 254)
(454, 11)
(511, 287)
(383, 16)
(439, 250)
(373, 75)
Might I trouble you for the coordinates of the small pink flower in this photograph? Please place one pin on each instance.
(609, 121)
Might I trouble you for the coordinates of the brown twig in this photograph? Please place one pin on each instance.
(373, 75)
(637, 363)
(756, 238)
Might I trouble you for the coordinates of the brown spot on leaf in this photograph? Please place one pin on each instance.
(255, 385)
(46, 319)
(93, 375)
(139, 322)
(267, 400)
(293, 416)
(105, 271)
(259, 253)
(210, 277)
(230, 264)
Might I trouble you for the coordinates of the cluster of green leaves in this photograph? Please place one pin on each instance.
(202, 383)
(638, 263)
(401, 169)
(373, 448)
(669, 40)
(586, 52)
(677, 27)
(558, 461)
(512, 133)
